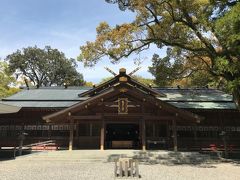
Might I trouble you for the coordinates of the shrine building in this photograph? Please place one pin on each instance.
(121, 113)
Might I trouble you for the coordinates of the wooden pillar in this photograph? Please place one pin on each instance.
(90, 126)
(49, 131)
(143, 124)
(77, 129)
(102, 138)
(168, 135)
(154, 128)
(143, 127)
(77, 135)
(71, 134)
(195, 135)
(174, 129)
(225, 146)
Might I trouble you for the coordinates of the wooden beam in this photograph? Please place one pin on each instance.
(129, 106)
(91, 117)
(126, 115)
(116, 103)
(147, 117)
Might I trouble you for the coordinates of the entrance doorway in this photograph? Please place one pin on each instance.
(122, 136)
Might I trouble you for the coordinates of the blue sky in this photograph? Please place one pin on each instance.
(63, 24)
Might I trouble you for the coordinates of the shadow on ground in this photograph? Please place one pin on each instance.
(6, 155)
(235, 162)
(171, 158)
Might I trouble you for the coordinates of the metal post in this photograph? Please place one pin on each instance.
(14, 152)
(225, 147)
(102, 139)
(21, 138)
(223, 134)
(71, 135)
(143, 135)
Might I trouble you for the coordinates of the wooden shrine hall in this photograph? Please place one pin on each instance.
(122, 113)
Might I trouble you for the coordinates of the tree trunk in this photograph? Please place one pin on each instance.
(236, 96)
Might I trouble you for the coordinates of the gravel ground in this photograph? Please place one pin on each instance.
(27, 169)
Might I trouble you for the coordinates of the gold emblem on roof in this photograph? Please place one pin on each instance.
(123, 79)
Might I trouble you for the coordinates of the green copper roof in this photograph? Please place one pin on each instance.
(40, 104)
(198, 95)
(60, 97)
(53, 93)
(204, 105)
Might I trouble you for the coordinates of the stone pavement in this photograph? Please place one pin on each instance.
(96, 164)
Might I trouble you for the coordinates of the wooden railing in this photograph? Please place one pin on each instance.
(30, 147)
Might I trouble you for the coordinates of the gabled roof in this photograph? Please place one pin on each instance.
(128, 88)
(122, 76)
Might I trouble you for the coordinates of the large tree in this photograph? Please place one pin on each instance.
(206, 32)
(44, 67)
(182, 73)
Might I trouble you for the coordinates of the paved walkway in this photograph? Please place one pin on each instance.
(97, 165)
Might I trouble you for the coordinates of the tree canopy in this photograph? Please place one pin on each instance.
(179, 73)
(44, 67)
(6, 80)
(204, 35)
